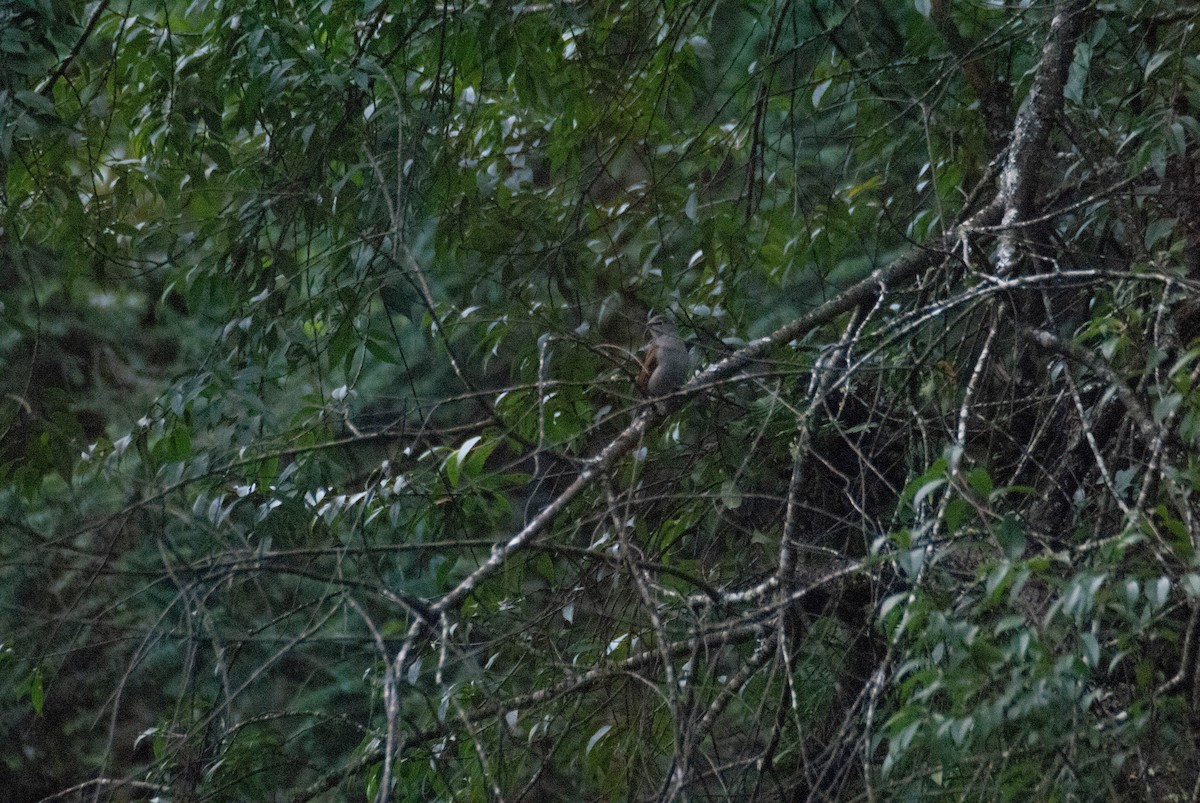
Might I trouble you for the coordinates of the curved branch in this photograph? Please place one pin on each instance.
(48, 85)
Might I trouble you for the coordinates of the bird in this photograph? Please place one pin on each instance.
(665, 366)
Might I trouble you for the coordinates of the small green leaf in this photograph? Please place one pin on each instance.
(35, 103)
(37, 692)
(926, 490)
(455, 461)
(1077, 77)
(1191, 584)
(1156, 61)
(1158, 230)
(957, 512)
(1011, 537)
(980, 482)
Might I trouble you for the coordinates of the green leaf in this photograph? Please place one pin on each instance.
(1155, 61)
(37, 104)
(1078, 74)
(454, 461)
(731, 496)
(1158, 230)
(980, 482)
(1010, 535)
(37, 692)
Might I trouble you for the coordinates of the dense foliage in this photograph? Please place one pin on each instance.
(322, 474)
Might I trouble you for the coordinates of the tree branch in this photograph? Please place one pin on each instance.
(1031, 129)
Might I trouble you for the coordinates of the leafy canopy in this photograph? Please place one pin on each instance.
(321, 471)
